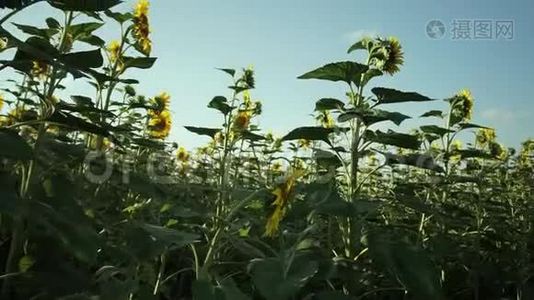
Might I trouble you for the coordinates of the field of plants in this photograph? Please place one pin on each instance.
(97, 203)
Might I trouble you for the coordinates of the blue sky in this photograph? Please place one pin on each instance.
(284, 39)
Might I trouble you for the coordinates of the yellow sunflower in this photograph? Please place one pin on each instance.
(182, 154)
(114, 50)
(161, 102)
(283, 194)
(395, 56)
(304, 143)
(326, 120)
(464, 103)
(159, 125)
(141, 30)
(485, 136)
(242, 120)
(498, 151)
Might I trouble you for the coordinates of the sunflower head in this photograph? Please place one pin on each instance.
(141, 28)
(182, 154)
(114, 50)
(2, 100)
(325, 119)
(462, 107)
(485, 136)
(498, 151)
(304, 143)
(159, 125)
(394, 56)
(248, 77)
(39, 69)
(242, 120)
(161, 102)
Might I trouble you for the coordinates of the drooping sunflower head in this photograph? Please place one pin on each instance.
(485, 136)
(114, 49)
(161, 102)
(159, 125)
(326, 120)
(463, 103)
(39, 69)
(498, 151)
(141, 29)
(242, 120)
(394, 56)
(182, 154)
(304, 143)
(248, 77)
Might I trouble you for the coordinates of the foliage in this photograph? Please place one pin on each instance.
(96, 204)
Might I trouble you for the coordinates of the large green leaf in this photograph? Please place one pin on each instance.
(372, 116)
(211, 132)
(84, 59)
(434, 129)
(423, 161)
(386, 95)
(139, 62)
(14, 146)
(170, 236)
(274, 283)
(346, 71)
(77, 5)
(309, 133)
(45, 33)
(329, 104)
(433, 113)
(407, 263)
(220, 103)
(394, 139)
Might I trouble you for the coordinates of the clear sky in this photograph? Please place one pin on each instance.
(283, 39)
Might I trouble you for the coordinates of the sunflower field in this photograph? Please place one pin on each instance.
(97, 203)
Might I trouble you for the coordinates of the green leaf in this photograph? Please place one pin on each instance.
(435, 130)
(367, 76)
(471, 125)
(220, 103)
(369, 117)
(204, 290)
(433, 113)
(14, 146)
(25, 263)
(230, 72)
(139, 62)
(386, 96)
(423, 161)
(329, 104)
(309, 133)
(274, 283)
(52, 23)
(84, 59)
(93, 40)
(82, 100)
(83, 30)
(250, 136)
(70, 5)
(119, 17)
(346, 71)
(74, 122)
(407, 263)
(394, 139)
(40, 32)
(363, 44)
(170, 236)
(211, 132)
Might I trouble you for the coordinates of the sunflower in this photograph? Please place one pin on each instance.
(141, 29)
(248, 77)
(276, 167)
(498, 151)
(114, 50)
(283, 194)
(325, 119)
(463, 104)
(161, 102)
(159, 125)
(304, 143)
(395, 56)
(2, 100)
(242, 120)
(39, 69)
(485, 136)
(182, 154)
